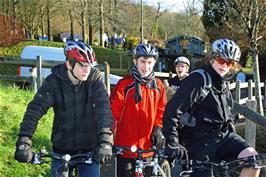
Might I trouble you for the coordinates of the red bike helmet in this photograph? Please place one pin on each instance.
(77, 51)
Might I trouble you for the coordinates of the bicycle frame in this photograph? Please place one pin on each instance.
(141, 164)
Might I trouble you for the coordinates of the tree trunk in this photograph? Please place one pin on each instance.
(256, 73)
(48, 22)
(101, 30)
(90, 33)
(83, 28)
(71, 26)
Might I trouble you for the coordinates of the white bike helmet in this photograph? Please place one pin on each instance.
(182, 60)
(227, 49)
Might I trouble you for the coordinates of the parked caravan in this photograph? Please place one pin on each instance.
(51, 54)
(47, 53)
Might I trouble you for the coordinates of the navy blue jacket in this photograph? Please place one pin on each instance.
(82, 114)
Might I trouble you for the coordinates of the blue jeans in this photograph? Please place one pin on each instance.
(84, 170)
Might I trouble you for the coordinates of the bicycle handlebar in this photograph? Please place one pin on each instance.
(251, 161)
(118, 150)
(38, 158)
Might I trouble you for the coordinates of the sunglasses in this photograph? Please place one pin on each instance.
(221, 61)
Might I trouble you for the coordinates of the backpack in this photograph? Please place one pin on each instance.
(187, 119)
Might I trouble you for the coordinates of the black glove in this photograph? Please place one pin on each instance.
(174, 151)
(157, 137)
(103, 153)
(23, 151)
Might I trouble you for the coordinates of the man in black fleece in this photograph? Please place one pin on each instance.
(212, 136)
(82, 116)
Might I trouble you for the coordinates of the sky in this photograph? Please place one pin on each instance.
(173, 5)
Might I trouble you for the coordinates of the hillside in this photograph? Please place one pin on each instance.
(117, 59)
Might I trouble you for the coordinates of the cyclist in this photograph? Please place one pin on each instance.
(182, 65)
(137, 102)
(82, 114)
(213, 135)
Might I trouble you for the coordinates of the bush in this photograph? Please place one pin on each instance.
(131, 42)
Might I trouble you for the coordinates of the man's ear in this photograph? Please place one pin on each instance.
(68, 64)
(135, 61)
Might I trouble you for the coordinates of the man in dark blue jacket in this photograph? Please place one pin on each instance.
(82, 115)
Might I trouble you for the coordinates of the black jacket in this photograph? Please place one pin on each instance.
(211, 113)
(175, 82)
(82, 115)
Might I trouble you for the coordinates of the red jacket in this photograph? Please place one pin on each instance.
(134, 122)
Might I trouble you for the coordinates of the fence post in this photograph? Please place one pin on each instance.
(250, 89)
(33, 76)
(238, 91)
(120, 62)
(107, 77)
(265, 94)
(39, 71)
(250, 127)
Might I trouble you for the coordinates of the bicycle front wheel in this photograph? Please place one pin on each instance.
(164, 164)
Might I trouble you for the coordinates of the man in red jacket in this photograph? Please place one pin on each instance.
(138, 102)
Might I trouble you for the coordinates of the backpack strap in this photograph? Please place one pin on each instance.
(187, 118)
(207, 84)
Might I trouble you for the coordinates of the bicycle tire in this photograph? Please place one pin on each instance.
(164, 164)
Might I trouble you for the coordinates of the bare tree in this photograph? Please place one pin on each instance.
(251, 17)
(80, 9)
(30, 13)
(158, 14)
(247, 17)
(193, 21)
(52, 9)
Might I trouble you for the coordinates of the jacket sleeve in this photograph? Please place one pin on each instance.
(180, 103)
(161, 106)
(103, 115)
(43, 99)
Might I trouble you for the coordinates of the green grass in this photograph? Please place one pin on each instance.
(12, 106)
(15, 50)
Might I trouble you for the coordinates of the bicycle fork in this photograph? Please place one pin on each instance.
(139, 169)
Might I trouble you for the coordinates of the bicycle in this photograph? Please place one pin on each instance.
(69, 161)
(160, 166)
(222, 168)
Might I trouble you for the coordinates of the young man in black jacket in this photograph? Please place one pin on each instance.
(82, 115)
(212, 136)
(182, 65)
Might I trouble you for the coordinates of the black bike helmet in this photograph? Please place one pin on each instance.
(146, 50)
